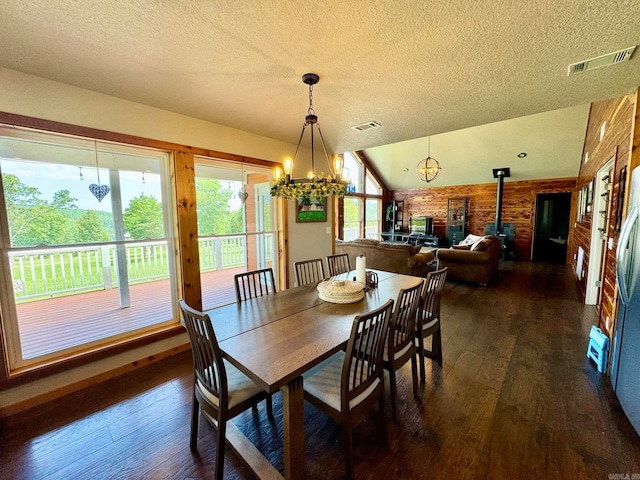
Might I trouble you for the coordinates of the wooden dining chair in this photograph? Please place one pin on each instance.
(348, 384)
(338, 264)
(428, 318)
(254, 284)
(220, 390)
(400, 343)
(309, 271)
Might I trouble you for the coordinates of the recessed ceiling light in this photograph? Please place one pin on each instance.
(522, 154)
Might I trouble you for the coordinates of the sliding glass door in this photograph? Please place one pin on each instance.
(236, 228)
(87, 242)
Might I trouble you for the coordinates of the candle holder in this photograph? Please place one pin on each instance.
(372, 279)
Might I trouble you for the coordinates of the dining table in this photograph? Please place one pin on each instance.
(274, 339)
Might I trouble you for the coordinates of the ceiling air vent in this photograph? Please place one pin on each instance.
(365, 126)
(601, 61)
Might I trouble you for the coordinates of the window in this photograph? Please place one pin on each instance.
(373, 214)
(362, 203)
(236, 228)
(353, 171)
(352, 218)
(87, 236)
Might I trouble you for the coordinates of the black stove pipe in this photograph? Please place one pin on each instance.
(500, 174)
(499, 202)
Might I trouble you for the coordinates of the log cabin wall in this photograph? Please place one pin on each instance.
(518, 206)
(618, 113)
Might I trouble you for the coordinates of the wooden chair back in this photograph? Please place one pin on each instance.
(207, 359)
(402, 328)
(363, 359)
(431, 295)
(338, 264)
(254, 284)
(309, 271)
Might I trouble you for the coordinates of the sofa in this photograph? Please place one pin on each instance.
(387, 256)
(474, 260)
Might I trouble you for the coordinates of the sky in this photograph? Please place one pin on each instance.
(49, 178)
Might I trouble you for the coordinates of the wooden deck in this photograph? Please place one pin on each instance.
(56, 324)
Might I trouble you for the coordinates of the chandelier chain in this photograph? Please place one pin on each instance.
(311, 110)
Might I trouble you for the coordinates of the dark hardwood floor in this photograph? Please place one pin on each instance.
(515, 398)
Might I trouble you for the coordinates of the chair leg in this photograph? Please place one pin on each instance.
(220, 447)
(437, 346)
(392, 387)
(195, 414)
(269, 407)
(383, 422)
(348, 438)
(414, 375)
(423, 374)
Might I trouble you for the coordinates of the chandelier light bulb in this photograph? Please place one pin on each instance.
(288, 166)
(338, 165)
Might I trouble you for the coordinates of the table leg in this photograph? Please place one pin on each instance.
(293, 411)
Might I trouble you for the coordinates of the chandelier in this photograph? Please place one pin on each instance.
(315, 185)
(428, 168)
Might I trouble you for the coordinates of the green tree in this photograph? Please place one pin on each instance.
(33, 220)
(89, 228)
(214, 214)
(143, 218)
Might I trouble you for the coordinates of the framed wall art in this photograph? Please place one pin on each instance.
(310, 209)
(580, 208)
(589, 196)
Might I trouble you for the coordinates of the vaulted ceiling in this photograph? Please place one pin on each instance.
(486, 80)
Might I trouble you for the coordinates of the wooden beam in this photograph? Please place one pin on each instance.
(362, 156)
(189, 253)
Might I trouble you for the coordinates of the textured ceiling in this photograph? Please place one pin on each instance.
(417, 67)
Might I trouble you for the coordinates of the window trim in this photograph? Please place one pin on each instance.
(181, 158)
(153, 158)
(365, 170)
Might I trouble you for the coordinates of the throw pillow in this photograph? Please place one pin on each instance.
(471, 239)
(481, 245)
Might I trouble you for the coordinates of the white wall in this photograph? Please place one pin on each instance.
(36, 97)
(308, 240)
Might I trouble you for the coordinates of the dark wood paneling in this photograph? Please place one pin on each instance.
(619, 115)
(518, 206)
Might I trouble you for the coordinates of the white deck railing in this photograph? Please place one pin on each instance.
(351, 233)
(55, 271)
